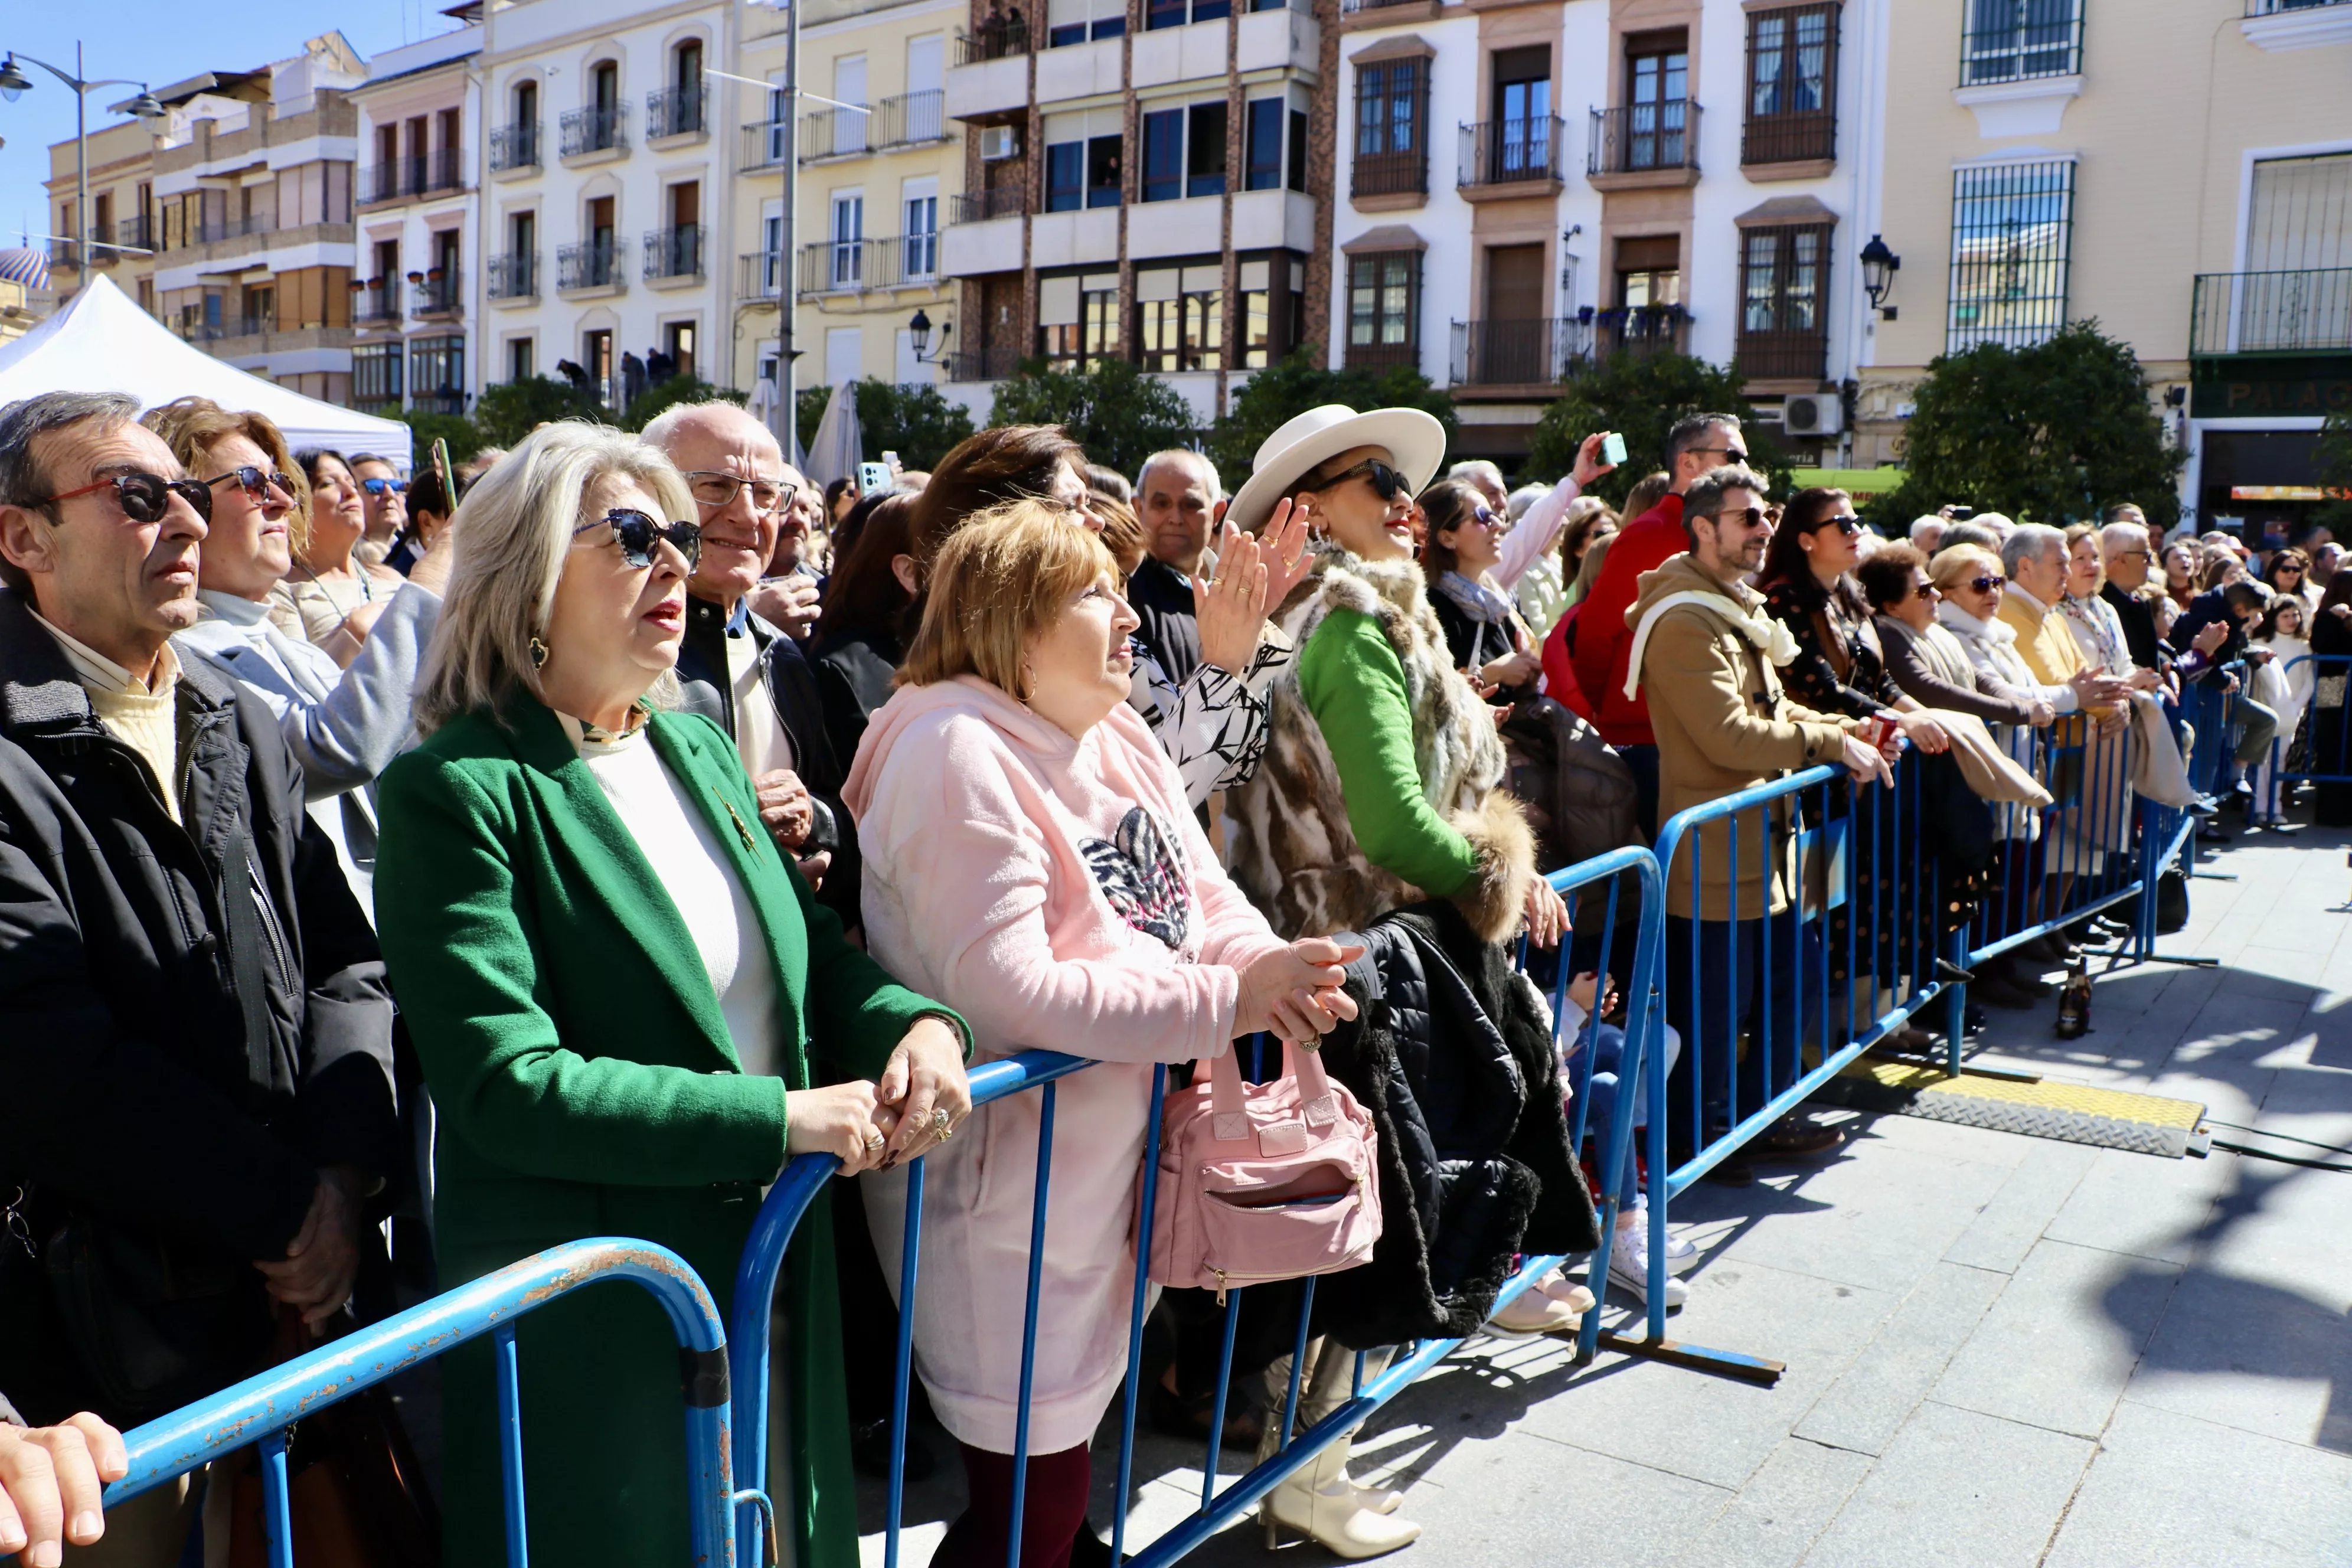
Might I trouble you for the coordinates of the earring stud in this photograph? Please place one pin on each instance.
(537, 654)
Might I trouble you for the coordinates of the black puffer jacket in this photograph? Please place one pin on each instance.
(1452, 1057)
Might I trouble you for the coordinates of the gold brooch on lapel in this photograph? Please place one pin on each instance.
(749, 847)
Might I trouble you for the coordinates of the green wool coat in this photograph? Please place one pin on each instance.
(586, 1086)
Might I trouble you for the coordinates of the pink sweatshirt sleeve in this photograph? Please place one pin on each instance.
(976, 919)
(1534, 534)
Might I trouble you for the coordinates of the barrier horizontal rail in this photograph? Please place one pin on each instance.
(789, 1200)
(263, 1408)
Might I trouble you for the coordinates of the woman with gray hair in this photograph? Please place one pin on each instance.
(626, 1003)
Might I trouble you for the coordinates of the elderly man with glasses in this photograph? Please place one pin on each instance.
(195, 1084)
(745, 672)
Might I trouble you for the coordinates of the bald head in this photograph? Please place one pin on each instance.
(1179, 499)
(698, 426)
(727, 455)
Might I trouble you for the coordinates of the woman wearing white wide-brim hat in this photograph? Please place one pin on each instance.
(1382, 785)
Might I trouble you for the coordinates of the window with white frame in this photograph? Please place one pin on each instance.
(918, 202)
(845, 258)
(1071, 22)
(1180, 316)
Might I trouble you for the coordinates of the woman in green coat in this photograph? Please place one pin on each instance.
(624, 1000)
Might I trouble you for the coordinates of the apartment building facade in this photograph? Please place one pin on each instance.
(2180, 170)
(121, 224)
(415, 198)
(1147, 180)
(603, 179)
(1528, 187)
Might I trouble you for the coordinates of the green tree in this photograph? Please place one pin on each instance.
(1642, 398)
(2052, 433)
(915, 422)
(2333, 460)
(1117, 412)
(464, 437)
(808, 412)
(669, 394)
(1273, 397)
(512, 410)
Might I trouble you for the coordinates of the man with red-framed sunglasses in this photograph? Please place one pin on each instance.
(195, 1085)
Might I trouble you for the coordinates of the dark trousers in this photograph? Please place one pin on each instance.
(1716, 995)
(1053, 1510)
(1641, 761)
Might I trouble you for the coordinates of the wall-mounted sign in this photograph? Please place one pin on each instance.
(2246, 386)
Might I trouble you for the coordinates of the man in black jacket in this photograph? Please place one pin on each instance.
(1180, 502)
(195, 1089)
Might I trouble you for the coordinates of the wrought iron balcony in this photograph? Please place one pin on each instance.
(1389, 174)
(764, 144)
(592, 264)
(1519, 353)
(978, 206)
(992, 40)
(1788, 138)
(2281, 7)
(586, 130)
(673, 252)
(514, 277)
(677, 112)
(759, 275)
(1639, 330)
(1509, 152)
(377, 303)
(419, 175)
(1641, 138)
(235, 227)
(1783, 356)
(138, 233)
(437, 296)
(909, 120)
(515, 146)
(854, 266)
(2271, 312)
(994, 363)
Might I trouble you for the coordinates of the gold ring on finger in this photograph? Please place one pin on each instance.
(941, 1123)
(874, 1140)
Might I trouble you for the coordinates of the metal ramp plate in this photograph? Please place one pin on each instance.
(2073, 1113)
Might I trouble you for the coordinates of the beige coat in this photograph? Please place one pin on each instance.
(1722, 725)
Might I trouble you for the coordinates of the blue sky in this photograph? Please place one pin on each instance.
(158, 41)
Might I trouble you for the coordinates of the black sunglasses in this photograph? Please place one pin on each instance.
(639, 536)
(254, 482)
(144, 497)
(1753, 517)
(1845, 523)
(1987, 584)
(1386, 482)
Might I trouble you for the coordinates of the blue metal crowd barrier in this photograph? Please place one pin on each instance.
(263, 1409)
(2326, 751)
(802, 1181)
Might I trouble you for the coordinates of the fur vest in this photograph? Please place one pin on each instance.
(1293, 850)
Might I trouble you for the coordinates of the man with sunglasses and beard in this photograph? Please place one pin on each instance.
(744, 672)
(196, 1092)
(1707, 656)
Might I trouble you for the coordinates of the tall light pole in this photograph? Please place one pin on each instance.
(15, 83)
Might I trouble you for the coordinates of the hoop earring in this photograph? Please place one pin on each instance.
(537, 654)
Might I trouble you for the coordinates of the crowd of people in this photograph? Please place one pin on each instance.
(403, 877)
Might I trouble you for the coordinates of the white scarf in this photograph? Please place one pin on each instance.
(1771, 638)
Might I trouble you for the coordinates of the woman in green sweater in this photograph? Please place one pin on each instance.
(1381, 787)
(629, 1009)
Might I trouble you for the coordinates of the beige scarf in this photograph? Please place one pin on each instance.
(1770, 637)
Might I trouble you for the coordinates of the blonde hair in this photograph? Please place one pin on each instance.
(1960, 560)
(1008, 573)
(513, 532)
(193, 427)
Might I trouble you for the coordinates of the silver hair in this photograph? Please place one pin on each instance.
(662, 428)
(1201, 465)
(1522, 497)
(2030, 542)
(1921, 525)
(2116, 537)
(1476, 470)
(22, 422)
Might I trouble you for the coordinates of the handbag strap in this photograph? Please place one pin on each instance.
(1226, 1092)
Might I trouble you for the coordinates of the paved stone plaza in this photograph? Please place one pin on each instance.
(2000, 1350)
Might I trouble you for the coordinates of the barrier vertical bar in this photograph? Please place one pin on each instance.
(909, 1261)
(1029, 1324)
(276, 1518)
(1297, 1361)
(511, 1446)
(1217, 1412)
(1136, 1306)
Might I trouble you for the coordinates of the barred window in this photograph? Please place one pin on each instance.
(1791, 84)
(2013, 227)
(375, 376)
(437, 373)
(1388, 109)
(1383, 308)
(2013, 40)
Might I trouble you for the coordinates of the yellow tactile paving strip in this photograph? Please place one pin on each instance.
(2076, 1113)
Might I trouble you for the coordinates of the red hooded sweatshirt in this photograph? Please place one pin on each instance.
(1603, 639)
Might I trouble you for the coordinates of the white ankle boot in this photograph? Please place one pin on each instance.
(1346, 1520)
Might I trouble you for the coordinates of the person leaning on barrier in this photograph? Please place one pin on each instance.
(631, 1011)
(1708, 659)
(2235, 607)
(196, 1091)
(52, 1480)
(1032, 858)
(2284, 685)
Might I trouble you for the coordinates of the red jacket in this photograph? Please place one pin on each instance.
(1603, 639)
(1560, 672)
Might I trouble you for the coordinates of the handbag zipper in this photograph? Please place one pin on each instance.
(1224, 1277)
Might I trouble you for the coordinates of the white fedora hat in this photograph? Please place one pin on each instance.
(1414, 441)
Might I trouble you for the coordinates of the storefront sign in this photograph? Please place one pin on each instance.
(2246, 387)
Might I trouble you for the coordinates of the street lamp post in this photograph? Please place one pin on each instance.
(14, 84)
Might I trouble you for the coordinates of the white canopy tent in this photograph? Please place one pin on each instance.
(102, 342)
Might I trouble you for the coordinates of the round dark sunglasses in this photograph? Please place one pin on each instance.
(1844, 522)
(1386, 482)
(144, 497)
(639, 536)
(254, 482)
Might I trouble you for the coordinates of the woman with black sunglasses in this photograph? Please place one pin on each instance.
(627, 1003)
(1489, 642)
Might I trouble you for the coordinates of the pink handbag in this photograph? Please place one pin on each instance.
(1262, 1181)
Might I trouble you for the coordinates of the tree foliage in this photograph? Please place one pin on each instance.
(2333, 460)
(1273, 397)
(506, 413)
(1642, 398)
(669, 394)
(2054, 433)
(916, 422)
(1117, 412)
(464, 437)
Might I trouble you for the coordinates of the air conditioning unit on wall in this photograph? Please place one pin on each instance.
(1812, 414)
(998, 143)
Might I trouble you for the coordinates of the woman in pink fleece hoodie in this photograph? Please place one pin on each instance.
(1031, 859)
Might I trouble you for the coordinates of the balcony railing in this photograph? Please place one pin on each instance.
(1638, 138)
(592, 264)
(227, 327)
(994, 363)
(1639, 331)
(442, 296)
(1381, 356)
(978, 206)
(763, 143)
(759, 275)
(2019, 50)
(438, 402)
(515, 146)
(2280, 8)
(377, 304)
(908, 120)
(673, 252)
(2271, 312)
(1348, 7)
(418, 175)
(850, 265)
(1389, 174)
(138, 233)
(1783, 356)
(235, 227)
(1510, 151)
(1788, 138)
(1519, 354)
(586, 130)
(515, 276)
(677, 112)
(992, 41)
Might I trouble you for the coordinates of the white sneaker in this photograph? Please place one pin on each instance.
(1629, 1265)
(1681, 1254)
(1533, 1314)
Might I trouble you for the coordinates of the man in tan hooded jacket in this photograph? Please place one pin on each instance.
(1707, 656)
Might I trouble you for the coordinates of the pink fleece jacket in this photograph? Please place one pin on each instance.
(1059, 894)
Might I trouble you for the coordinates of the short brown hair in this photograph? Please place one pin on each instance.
(1448, 504)
(192, 426)
(1122, 531)
(1886, 576)
(986, 470)
(1008, 571)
